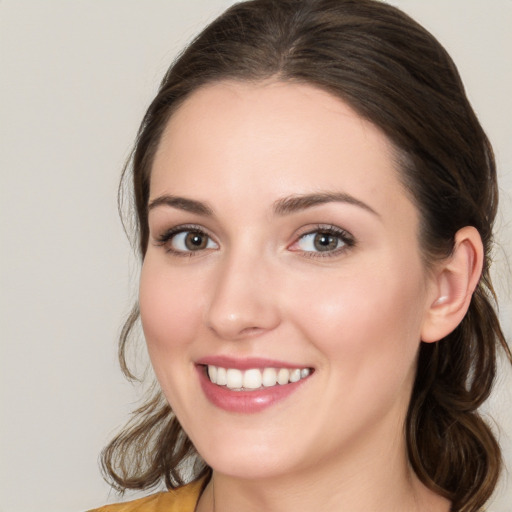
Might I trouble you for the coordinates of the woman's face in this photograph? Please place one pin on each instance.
(282, 247)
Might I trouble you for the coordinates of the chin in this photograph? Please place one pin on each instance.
(248, 460)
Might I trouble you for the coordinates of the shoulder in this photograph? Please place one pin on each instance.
(182, 499)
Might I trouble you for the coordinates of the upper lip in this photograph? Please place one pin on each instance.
(246, 363)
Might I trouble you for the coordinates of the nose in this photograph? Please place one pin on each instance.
(244, 299)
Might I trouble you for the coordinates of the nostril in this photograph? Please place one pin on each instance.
(251, 330)
(232, 331)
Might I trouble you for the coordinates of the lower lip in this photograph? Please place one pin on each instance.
(246, 402)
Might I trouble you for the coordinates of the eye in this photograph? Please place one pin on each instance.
(321, 242)
(328, 240)
(191, 241)
(184, 240)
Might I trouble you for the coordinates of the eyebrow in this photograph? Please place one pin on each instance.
(284, 206)
(297, 203)
(181, 203)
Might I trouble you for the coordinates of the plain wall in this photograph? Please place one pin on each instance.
(76, 77)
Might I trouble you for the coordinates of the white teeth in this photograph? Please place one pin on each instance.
(212, 373)
(222, 379)
(255, 378)
(252, 379)
(234, 378)
(269, 377)
(295, 375)
(283, 376)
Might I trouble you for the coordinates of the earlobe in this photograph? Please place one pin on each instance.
(455, 280)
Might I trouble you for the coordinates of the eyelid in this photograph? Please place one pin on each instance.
(346, 237)
(167, 236)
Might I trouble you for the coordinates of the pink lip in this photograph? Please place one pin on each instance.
(246, 402)
(245, 363)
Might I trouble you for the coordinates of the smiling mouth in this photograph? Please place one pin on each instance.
(254, 378)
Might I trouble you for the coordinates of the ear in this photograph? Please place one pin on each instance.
(454, 282)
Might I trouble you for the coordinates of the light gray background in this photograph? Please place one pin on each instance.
(76, 76)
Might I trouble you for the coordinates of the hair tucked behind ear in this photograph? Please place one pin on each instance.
(395, 74)
(451, 448)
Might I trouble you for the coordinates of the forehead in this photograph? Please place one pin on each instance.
(270, 139)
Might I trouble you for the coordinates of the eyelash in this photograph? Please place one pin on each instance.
(168, 235)
(344, 236)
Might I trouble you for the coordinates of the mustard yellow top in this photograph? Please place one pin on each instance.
(183, 499)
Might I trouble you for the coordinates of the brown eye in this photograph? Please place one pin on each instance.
(326, 242)
(320, 241)
(195, 241)
(191, 241)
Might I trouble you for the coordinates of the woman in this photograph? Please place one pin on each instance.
(315, 200)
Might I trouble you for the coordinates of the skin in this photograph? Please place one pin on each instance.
(355, 315)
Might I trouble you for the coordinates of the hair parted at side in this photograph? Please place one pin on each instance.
(395, 74)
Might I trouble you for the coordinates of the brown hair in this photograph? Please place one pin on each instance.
(395, 74)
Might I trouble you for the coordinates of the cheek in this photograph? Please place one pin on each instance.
(366, 316)
(169, 309)
(170, 317)
(367, 329)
